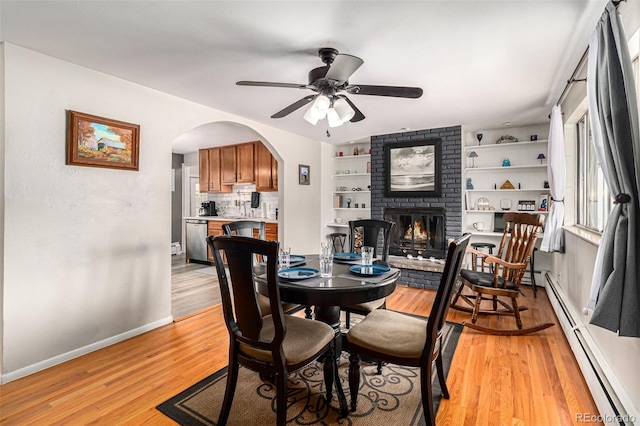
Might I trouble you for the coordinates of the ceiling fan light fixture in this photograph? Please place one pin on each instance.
(344, 110)
(333, 118)
(319, 107)
(310, 117)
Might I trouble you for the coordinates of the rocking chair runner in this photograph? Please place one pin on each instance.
(503, 279)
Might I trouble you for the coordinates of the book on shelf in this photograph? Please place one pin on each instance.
(337, 201)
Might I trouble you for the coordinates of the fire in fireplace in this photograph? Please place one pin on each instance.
(418, 231)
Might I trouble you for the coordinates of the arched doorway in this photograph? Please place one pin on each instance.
(197, 282)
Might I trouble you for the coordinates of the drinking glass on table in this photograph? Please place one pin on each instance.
(367, 255)
(326, 248)
(326, 259)
(284, 257)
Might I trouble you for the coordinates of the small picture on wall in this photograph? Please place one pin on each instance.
(94, 141)
(303, 172)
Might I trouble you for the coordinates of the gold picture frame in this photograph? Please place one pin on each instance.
(94, 141)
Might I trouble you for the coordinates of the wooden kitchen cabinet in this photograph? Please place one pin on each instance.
(266, 169)
(214, 227)
(271, 232)
(214, 171)
(245, 156)
(249, 162)
(210, 171)
(228, 164)
(203, 174)
(236, 163)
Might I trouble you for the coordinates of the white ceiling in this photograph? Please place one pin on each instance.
(480, 63)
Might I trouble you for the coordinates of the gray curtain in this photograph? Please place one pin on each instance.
(614, 121)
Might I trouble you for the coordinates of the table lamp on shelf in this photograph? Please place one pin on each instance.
(541, 157)
(473, 156)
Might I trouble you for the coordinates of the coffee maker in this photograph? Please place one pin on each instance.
(208, 209)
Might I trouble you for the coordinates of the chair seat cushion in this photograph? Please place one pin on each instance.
(366, 307)
(484, 279)
(304, 338)
(265, 307)
(391, 333)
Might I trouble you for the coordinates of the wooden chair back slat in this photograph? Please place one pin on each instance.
(518, 242)
(239, 300)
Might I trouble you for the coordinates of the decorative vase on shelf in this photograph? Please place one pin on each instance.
(506, 162)
(469, 184)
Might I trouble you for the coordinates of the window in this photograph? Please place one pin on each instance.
(594, 199)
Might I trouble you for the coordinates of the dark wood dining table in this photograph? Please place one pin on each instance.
(327, 295)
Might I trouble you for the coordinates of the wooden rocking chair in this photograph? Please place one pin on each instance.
(500, 276)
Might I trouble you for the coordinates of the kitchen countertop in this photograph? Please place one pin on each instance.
(232, 218)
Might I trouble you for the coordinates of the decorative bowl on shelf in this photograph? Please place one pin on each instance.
(507, 139)
(482, 203)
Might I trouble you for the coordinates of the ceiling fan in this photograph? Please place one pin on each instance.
(329, 82)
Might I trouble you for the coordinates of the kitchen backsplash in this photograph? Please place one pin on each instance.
(231, 203)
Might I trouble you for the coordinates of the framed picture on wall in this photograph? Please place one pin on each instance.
(413, 169)
(94, 141)
(303, 174)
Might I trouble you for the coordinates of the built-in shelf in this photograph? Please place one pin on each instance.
(351, 192)
(510, 190)
(503, 168)
(509, 145)
(344, 157)
(486, 174)
(338, 225)
(352, 174)
(504, 211)
(352, 182)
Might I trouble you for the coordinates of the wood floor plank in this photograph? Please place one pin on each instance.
(515, 380)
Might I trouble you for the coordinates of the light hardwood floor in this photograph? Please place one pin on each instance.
(191, 290)
(524, 380)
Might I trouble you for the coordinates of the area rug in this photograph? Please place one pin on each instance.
(392, 398)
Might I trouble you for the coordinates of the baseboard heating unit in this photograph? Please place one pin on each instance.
(611, 399)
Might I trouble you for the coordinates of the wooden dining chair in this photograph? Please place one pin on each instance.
(402, 339)
(337, 240)
(256, 229)
(367, 232)
(272, 345)
(497, 278)
(245, 228)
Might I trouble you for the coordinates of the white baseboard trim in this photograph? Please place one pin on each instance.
(59, 359)
(611, 399)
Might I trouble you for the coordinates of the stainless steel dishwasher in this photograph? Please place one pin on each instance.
(197, 239)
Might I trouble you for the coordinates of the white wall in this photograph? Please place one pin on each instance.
(87, 250)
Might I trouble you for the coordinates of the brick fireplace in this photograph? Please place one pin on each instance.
(448, 203)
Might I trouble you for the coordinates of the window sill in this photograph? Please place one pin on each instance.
(584, 234)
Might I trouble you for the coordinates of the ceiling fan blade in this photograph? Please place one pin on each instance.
(395, 91)
(270, 84)
(342, 67)
(294, 106)
(359, 116)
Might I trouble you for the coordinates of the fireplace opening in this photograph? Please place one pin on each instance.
(418, 232)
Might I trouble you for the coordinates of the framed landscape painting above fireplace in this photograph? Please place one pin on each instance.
(413, 169)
